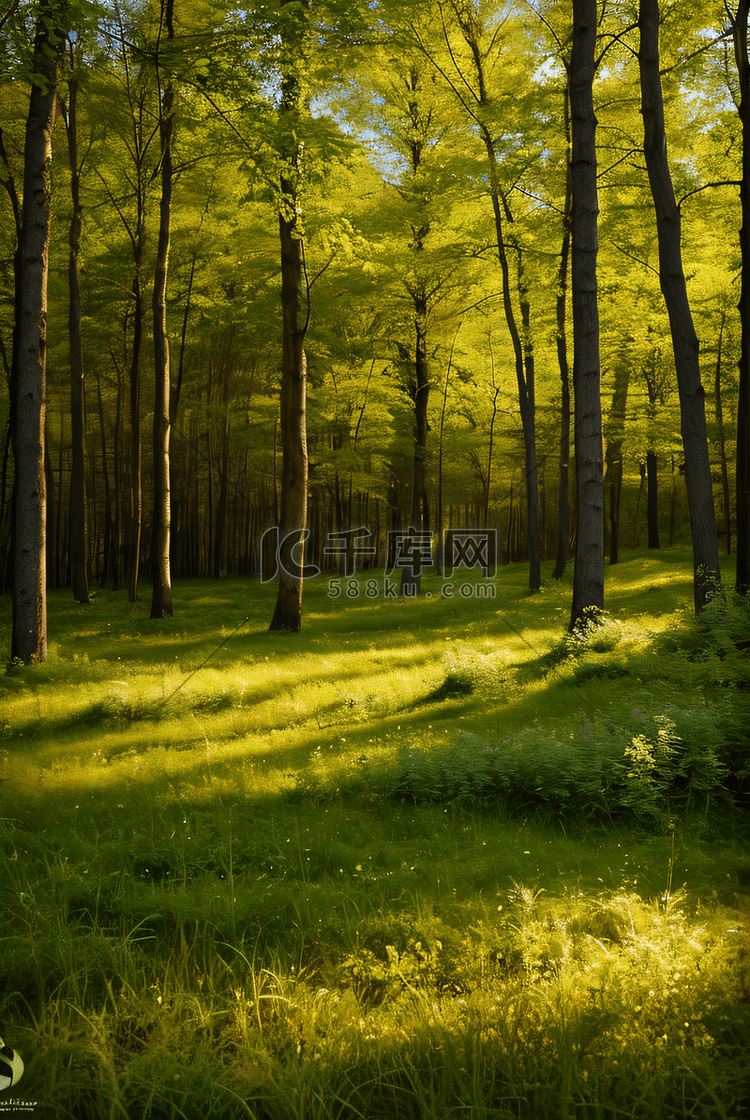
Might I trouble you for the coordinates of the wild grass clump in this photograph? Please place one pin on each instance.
(595, 773)
(466, 671)
(539, 1006)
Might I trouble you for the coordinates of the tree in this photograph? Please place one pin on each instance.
(10, 363)
(739, 30)
(137, 137)
(295, 319)
(161, 599)
(563, 497)
(77, 500)
(684, 339)
(417, 135)
(588, 576)
(614, 456)
(29, 629)
(471, 90)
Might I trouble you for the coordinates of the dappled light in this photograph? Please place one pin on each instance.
(448, 861)
(375, 560)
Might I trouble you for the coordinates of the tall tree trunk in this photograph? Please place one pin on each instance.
(439, 550)
(293, 413)
(652, 504)
(11, 367)
(563, 497)
(490, 449)
(419, 514)
(138, 146)
(135, 507)
(588, 576)
(51, 516)
(107, 550)
(727, 506)
(739, 27)
(684, 340)
(529, 429)
(77, 498)
(471, 31)
(29, 626)
(615, 441)
(6, 535)
(293, 500)
(220, 534)
(525, 387)
(161, 598)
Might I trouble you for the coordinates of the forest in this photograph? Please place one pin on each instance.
(374, 568)
(373, 210)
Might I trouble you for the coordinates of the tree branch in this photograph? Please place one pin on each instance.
(637, 260)
(719, 183)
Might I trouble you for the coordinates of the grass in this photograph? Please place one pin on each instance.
(422, 860)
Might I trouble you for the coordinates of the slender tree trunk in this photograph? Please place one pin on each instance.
(440, 557)
(563, 497)
(525, 387)
(588, 577)
(739, 27)
(470, 27)
(614, 453)
(138, 146)
(220, 535)
(490, 450)
(107, 546)
(727, 506)
(117, 477)
(161, 599)
(293, 413)
(529, 431)
(419, 514)
(293, 498)
(684, 340)
(29, 626)
(6, 536)
(52, 554)
(135, 510)
(652, 503)
(77, 500)
(9, 183)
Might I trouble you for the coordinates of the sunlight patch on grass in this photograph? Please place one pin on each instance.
(407, 866)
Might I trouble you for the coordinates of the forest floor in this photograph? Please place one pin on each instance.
(425, 860)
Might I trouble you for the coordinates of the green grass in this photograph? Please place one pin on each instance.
(422, 860)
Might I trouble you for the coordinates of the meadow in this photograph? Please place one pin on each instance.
(425, 860)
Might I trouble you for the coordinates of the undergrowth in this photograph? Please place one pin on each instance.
(436, 862)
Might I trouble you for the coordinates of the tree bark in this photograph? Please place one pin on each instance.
(29, 626)
(293, 504)
(684, 339)
(721, 432)
(588, 577)
(563, 497)
(614, 453)
(11, 367)
(293, 406)
(652, 499)
(419, 514)
(525, 387)
(77, 498)
(742, 582)
(472, 30)
(440, 548)
(161, 598)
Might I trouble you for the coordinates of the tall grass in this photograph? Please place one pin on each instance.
(426, 860)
